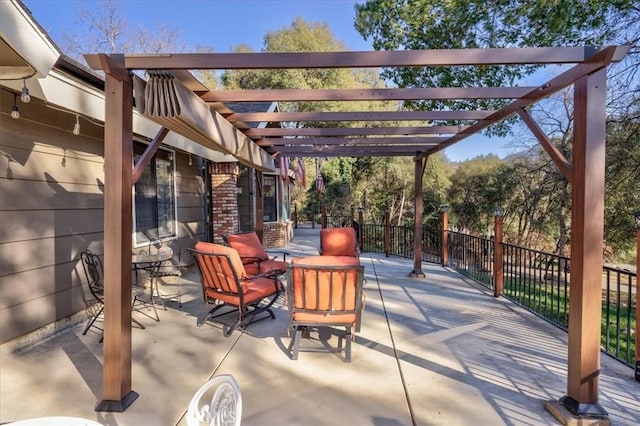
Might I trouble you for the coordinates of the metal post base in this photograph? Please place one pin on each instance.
(637, 370)
(583, 409)
(117, 406)
(417, 274)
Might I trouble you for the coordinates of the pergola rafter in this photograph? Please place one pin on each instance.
(375, 135)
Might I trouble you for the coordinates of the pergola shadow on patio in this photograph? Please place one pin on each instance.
(436, 351)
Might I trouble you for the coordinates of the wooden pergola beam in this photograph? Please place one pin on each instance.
(266, 117)
(375, 59)
(365, 94)
(596, 62)
(347, 151)
(351, 131)
(392, 141)
(558, 158)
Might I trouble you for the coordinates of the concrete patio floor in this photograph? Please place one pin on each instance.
(433, 351)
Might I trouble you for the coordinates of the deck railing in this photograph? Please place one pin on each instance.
(536, 280)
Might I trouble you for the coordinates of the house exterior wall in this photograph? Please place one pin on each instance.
(52, 208)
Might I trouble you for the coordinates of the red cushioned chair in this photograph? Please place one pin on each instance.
(324, 291)
(255, 258)
(339, 242)
(226, 283)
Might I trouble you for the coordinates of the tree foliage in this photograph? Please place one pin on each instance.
(102, 28)
(431, 24)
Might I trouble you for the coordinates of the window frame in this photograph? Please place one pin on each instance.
(171, 154)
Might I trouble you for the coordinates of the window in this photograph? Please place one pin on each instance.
(154, 194)
(270, 198)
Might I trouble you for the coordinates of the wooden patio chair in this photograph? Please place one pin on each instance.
(339, 242)
(255, 258)
(226, 283)
(324, 291)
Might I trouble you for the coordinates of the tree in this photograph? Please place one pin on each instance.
(432, 24)
(103, 29)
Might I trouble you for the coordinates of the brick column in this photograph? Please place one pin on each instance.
(224, 200)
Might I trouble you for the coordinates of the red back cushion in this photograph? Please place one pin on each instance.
(248, 246)
(338, 242)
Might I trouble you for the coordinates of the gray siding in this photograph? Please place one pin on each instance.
(51, 208)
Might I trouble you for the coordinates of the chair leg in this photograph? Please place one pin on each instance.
(347, 350)
(204, 317)
(90, 323)
(295, 344)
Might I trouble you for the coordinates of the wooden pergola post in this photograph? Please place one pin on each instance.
(444, 219)
(637, 366)
(118, 219)
(420, 165)
(587, 224)
(498, 265)
(259, 199)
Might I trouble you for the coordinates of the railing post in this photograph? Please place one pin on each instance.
(444, 254)
(387, 234)
(323, 217)
(361, 228)
(295, 217)
(352, 215)
(637, 369)
(498, 265)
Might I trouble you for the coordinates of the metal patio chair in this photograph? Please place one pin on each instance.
(324, 291)
(255, 258)
(225, 283)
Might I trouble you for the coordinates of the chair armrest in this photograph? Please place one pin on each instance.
(282, 252)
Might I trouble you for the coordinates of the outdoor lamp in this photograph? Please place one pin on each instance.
(444, 208)
(498, 211)
(25, 97)
(15, 112)
(637, 216)
(76, 127)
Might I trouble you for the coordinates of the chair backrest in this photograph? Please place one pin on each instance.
(338, 242)
(93, 270)
(248, 246)
(330, 286)
(224, 406)
(220, 268)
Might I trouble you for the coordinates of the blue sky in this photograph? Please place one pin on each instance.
(222, 24)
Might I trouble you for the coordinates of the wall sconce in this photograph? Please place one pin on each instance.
(637, 217)
(15, 112)
(76, 127)
(25, 97)
(498, 211)
(444, 208)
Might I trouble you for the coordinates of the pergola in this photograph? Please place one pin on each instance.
(585, 172)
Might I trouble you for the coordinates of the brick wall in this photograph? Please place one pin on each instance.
(277, 234)
(224, 200)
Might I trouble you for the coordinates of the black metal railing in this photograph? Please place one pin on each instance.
(372, 238)
(339, 221)
(472, 256)
(619, 328)
(538, 281)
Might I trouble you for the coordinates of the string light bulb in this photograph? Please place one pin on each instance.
(76, 127)
(15, 112)
(25, 97)
(190, 160)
